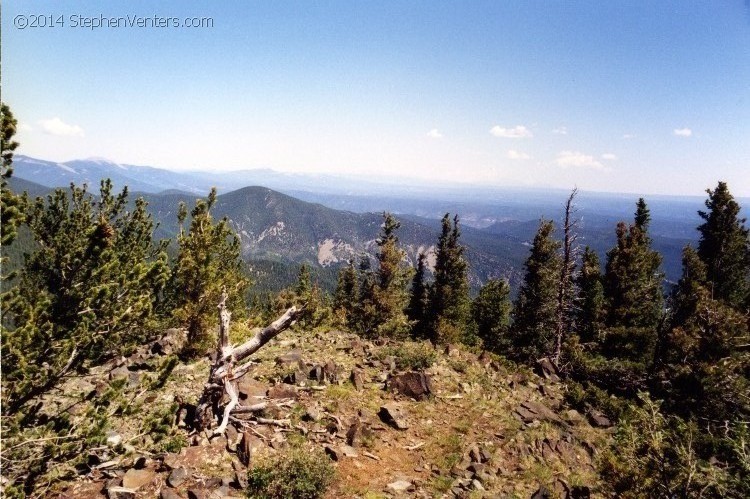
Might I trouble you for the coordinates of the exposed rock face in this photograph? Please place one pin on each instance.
(135, 479)
(357, 379)
(412, 384)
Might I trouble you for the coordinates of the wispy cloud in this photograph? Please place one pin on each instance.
(575, 159)
(561, 130)
(517, 132)
(609, 156)
(56, 126)
(683, 132)
(628, 136)
(517, 155)
(435, 134)
(25, 127)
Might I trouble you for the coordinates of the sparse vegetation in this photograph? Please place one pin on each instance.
(297, 473)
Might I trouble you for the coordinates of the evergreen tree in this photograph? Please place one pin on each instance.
(633, 291)
(10, 204)
(450, 305)
(208, 259)
(590, 297)
(417, 311)
(534, 313)
(491, 310)
(347, 293)
(704, 363)
(388, 296)
(304, 284)
(86, 293)
(724, 247)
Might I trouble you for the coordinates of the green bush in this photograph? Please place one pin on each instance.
(296, 473)
(412, 355)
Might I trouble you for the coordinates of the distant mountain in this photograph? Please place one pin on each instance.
(328, 219)
(274, 226)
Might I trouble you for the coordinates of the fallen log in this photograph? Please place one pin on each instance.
(225, 371)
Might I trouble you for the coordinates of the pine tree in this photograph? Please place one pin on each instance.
(450, 305)
(724, 247)
(633, 289)
(417, 311)
(347, 294)
(491, 310)
(208, 259)
(704, 363)
(304, 284)
(534, 312)
(565, 311)
(388, 295)
(10, 204)
(87, 292)
(590, 314)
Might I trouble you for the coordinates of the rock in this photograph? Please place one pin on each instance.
(240, 475)
(251, 389)
(542, 493)
(574, 416)
(390, 363)
(169, 494)
(289, 357)
(312, 414)
(357, 379)
(412, 384)
(349, 451)
(317, 374)
(452, 350)
(177, 477)
(531, 411)
(474, 454)
(296, 378)
(598, 420)
(546, 368)
(331, 372)
(356, 432)
(393, 415)
(120, 493)
(485, 358)
(400, 486)
(477, 485)
(282, 392)
(135, 479)
(485, 455)
(356, 347)
(333, 452)
(119, 373)
(113, 439)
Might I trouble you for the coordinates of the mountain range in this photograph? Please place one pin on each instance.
(326, 220)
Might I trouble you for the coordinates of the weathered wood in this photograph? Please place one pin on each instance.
(224, 373)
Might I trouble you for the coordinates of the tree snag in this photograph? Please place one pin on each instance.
(225, 371)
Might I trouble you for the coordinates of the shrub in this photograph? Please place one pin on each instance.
(296, 473)
(412, 355)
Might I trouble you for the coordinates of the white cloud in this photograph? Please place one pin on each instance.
(25, 127)
(435, 134)
(561, 130)
(566, 159)
(683, 132)
(609, 156)
(56, 126)
(517, 132)
(517, 155)
(628, 136)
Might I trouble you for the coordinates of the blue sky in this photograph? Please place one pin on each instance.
(645, 97)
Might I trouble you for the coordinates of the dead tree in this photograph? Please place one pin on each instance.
(230, 364)
(565, 291)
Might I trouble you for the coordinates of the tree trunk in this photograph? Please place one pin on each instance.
(225, 371)
(565, 283)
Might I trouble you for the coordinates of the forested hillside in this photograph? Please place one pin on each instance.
(136, 362)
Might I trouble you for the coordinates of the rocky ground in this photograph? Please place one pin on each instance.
(466, 426)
